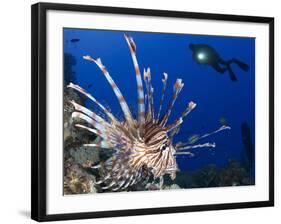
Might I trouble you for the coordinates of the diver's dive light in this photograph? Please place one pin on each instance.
(201, 56)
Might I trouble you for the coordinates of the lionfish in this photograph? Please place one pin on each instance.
(143, 146)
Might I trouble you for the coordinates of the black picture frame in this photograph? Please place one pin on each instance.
(38, 108)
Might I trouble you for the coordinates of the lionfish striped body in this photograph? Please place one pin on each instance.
(143, 145)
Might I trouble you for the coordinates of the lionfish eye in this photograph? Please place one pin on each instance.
(163, 147)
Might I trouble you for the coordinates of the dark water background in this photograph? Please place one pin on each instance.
(215, 94)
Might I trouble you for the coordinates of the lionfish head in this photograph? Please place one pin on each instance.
(155, 152)
(168, 164)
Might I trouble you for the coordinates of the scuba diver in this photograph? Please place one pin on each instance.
(205, 54)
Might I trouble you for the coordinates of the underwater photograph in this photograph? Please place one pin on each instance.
(147, 111)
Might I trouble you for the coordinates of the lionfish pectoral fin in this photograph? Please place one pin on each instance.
(185, 153)
(82, 91)
(88, 112)
(124, 106)
(102, 144)
(189, 147)
(194, 140)
(99, 129)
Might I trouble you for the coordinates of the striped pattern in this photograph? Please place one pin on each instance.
(147, 80)
(79, 89)
(164, 81)
(177, 88)
(123, 104)
(143, 146)
(141, 107)
(208, 145)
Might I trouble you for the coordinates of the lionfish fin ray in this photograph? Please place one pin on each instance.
(116, 90)
(98, 126)
(88, 112)
(103, 134)
(177, 88)
(205, 145)
(176, 125)
(164, 81)
(194, 140)
(141, 106)
(149, 90)
(81, 90)
(102, 144)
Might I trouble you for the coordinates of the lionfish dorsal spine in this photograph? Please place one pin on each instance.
(164, 81)
(175, 126)
(149, 90)
(141, 105)
(189, 108)
(177, 88)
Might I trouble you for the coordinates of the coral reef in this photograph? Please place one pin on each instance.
(77, 159)
(233, 174)
(76, 181)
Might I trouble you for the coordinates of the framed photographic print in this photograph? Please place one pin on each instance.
(138, 111)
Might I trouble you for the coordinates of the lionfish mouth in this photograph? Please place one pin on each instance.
(143, 146)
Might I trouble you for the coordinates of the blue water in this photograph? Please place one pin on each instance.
(215, 94)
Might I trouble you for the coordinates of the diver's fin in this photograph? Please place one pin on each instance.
(220, 69)
(241, 64)
(231, 74)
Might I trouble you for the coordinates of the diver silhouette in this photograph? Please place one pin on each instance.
(205, 54)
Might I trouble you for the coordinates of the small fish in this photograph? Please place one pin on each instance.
(223, 121)
(205, 54)
(74, 40)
